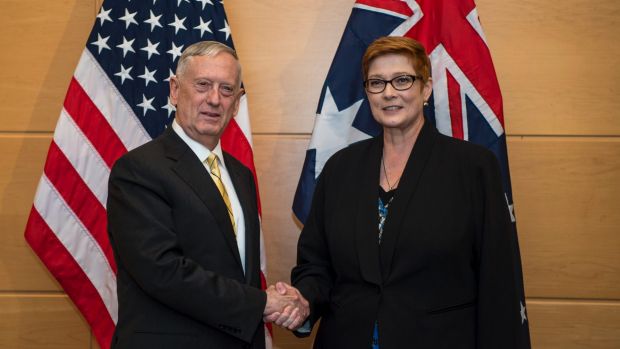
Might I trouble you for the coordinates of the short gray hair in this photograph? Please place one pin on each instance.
(209, 49)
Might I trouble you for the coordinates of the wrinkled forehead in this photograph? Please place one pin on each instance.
(218, 64)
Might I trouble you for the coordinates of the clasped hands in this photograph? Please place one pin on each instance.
(285, 306)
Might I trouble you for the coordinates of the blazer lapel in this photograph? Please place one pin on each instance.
(405, 193)
(367, 216)
(252, 235)
(195, 175)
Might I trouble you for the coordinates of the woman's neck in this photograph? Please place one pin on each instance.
(397, 146)
(399, 142)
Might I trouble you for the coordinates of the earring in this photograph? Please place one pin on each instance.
(425, 103)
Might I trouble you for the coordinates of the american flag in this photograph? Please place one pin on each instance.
(466, 102)
(117, 100)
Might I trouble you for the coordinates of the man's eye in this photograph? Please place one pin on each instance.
(227, 90)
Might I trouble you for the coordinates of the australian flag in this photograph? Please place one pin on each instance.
(466, 102)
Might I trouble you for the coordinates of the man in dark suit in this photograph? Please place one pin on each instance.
(183, 222)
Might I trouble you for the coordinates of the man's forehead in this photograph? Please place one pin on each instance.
(222, 63)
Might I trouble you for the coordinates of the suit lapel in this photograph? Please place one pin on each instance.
(367, 219)
(405, 193)
(252, 238)
(195, 175)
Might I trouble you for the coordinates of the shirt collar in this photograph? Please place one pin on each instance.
(200, 150)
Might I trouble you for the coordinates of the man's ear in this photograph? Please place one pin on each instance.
(174, 89)
(238, 102)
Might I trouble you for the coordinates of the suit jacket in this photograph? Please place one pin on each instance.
(443, 275)
(180, 280)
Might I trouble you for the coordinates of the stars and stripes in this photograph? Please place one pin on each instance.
(466, 102)
(117, 100)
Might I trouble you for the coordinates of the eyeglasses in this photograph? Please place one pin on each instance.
(400, 83)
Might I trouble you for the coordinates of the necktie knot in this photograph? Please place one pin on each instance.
(212, 160)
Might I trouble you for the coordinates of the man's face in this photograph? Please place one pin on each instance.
(206, 95)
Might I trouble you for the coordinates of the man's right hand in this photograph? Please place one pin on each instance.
(285, 306)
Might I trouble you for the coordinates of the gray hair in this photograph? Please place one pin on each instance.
(209, 49)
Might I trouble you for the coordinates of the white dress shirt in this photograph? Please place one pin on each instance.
(203, 153)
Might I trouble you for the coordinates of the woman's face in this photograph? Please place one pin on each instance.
(392, 108)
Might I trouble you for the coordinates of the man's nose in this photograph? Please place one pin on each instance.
(213, 96)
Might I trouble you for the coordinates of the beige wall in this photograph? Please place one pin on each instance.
(557, 64)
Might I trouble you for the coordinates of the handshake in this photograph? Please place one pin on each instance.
(285, 306)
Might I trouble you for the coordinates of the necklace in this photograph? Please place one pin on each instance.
(386, 176)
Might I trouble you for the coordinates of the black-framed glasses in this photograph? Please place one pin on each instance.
(400, 83)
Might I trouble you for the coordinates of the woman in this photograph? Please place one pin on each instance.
(408, 243)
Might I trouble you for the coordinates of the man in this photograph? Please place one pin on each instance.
(183, 222)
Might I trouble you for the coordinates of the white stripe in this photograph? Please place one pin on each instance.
(440, 93)
(78, 241)
(464, 116)
(268, 340)
(380, 10)
(243, 119)
(440, 61)
(263, 256)
(83, 156)
(474, 20)
(110, 102)
(406, 26)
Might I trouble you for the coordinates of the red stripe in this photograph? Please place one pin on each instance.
(456, 109)
(93, 124)
(70, 276)
(80, 198)
(390, 5)
(235, 143)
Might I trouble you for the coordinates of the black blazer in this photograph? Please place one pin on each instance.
(443, 276)
(180, 282)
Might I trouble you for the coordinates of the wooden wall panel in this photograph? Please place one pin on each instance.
(285, 48)
(284, 339)
(42, 42)
(574, 324)
(567, 200)
(557, 64)
(41, 321)
(21, 166)
(98, 6)
(278, 162)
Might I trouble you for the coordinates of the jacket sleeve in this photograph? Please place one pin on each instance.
(146, 245)
(501, 322)
(313, 274)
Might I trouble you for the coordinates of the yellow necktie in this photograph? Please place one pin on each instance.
(217, 178)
